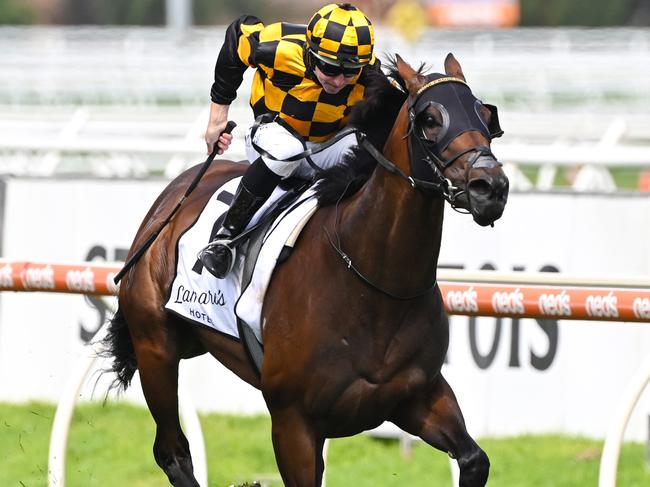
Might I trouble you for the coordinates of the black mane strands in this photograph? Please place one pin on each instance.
(375, 116)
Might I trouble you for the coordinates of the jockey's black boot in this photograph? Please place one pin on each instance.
(256, 186)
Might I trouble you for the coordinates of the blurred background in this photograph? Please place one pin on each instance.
(495, 13)
(103, 102)
(70, 66)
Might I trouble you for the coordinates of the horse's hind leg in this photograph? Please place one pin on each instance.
(158, 359)
(437, 419)
(298, 450)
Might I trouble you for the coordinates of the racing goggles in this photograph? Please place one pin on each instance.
(334, 69)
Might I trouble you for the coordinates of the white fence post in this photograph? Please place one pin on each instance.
(614, 439)
(63, 415)
(65, 410)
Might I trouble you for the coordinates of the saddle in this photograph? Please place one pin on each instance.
(232, 306)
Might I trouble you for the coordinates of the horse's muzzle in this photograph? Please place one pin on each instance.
(488, 194)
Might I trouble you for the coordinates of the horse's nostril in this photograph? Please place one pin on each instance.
(479, 188)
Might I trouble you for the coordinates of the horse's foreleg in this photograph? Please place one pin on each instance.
(298, 451)
(158, 365)
(437, 419)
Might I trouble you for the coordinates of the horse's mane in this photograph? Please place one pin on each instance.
(375, 116)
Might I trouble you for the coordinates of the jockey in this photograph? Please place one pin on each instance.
(306, 82)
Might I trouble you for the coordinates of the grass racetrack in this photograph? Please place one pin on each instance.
(111, 446)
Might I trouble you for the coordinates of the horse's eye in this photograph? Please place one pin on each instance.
(430, 122)
(430, 126)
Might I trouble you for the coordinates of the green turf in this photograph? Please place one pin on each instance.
(626, 178)
(111, 446)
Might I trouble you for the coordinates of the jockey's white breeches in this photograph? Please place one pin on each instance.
(281, 144)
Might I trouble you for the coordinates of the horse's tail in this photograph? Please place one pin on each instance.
(118, 345)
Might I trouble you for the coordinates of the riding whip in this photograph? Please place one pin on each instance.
(143, 248)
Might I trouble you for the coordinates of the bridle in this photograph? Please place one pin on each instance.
(425, 160)
(425, 155)
(427, 164)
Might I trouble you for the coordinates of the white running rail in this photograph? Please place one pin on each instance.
(616, 432)
(65, 409)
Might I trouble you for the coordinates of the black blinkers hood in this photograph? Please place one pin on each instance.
(459, 108)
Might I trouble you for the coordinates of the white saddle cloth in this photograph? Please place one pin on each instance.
(205, 300)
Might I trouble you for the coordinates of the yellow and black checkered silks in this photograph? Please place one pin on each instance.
(342, 33)
(283, 83)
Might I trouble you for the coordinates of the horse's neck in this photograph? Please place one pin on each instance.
(392, 230)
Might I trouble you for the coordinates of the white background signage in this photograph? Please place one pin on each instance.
(510, 376)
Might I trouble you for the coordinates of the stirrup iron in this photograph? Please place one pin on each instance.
(224, 245)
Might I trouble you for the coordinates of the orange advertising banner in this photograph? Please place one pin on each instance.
(614, 303)
(548, 302)
(84, 278)
(474, 13)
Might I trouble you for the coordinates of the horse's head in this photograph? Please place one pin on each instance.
(449, 134)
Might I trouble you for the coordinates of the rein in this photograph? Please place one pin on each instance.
(440, 185)
(443, 186)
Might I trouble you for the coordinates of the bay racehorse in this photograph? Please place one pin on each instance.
(355, 329)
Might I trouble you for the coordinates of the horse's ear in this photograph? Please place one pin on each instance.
(452, 67)
(411, 77)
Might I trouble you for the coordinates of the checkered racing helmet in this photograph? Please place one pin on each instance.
(341, 34)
